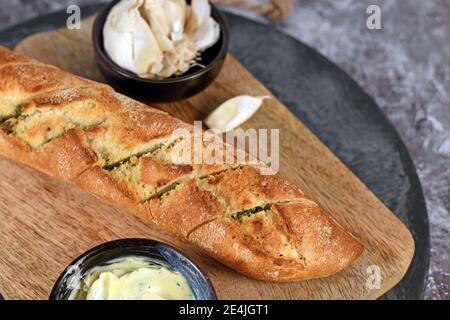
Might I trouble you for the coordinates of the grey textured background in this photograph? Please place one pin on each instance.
(405, 67)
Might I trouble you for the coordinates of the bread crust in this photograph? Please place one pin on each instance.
(122, 151)
(323, 247)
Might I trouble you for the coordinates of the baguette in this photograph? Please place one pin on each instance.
(84, 133)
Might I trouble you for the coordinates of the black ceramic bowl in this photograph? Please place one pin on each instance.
(150, 250)
(171, 89)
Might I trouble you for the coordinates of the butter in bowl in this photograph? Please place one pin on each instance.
(133, 269)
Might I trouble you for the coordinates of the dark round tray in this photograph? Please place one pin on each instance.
(334, 107)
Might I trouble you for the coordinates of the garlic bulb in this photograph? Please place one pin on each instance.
(233, 112)
(159, 38)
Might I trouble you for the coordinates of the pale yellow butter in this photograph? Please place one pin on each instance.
(132, 279)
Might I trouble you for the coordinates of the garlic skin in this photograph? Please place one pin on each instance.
(208, 31)
(207, 35)
(155, 14)
(159, 38)
(202, 10)
(176, 9)
(166, 18)
(234, 112)
(128, 38)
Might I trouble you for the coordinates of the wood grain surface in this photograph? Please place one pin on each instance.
(45, 223)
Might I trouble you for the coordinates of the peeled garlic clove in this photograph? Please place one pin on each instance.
(207, 34)
(233, 112)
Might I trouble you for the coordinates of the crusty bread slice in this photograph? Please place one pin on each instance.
(85, 133)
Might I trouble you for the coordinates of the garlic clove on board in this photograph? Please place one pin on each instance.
(233, 112)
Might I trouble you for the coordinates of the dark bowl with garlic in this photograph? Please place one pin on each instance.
(160, 50)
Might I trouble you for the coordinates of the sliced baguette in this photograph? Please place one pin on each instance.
(84, 133)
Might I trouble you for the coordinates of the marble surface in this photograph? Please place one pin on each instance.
(405, 67)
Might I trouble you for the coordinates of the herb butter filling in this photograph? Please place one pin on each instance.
(132, 278)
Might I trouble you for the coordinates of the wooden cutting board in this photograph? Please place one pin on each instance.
(45, 223)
